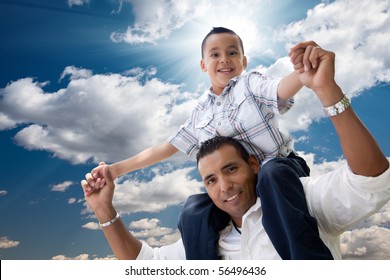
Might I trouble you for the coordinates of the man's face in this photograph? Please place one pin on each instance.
(230, 180)
(223, 59)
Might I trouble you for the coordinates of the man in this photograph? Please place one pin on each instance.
(336, 200)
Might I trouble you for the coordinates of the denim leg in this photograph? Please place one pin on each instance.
(286, 219)
(199, 223)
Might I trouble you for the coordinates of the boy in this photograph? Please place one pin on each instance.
(242, 107)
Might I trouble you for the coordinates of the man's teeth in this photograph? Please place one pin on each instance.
(233, 197)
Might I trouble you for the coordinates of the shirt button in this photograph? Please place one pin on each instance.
(219, 123)
(219, 103)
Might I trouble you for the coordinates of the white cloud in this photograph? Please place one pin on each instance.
(359, 34)
(144, 224)
(91, 225)
(367, 243)
(62, 187)
(75, 73)
(83, 257)
(72, 200)
(162, 191)
(5, 243)
(154, 235)
(156, 19)
(3, 192)
(77, 3)
(98, 117)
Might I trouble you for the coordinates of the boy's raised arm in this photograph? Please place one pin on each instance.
(143, 159)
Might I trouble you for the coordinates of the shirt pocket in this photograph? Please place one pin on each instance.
(204, 127)
(243, 113)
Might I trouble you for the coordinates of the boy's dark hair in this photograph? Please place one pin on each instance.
(219, 30)
(215, 143)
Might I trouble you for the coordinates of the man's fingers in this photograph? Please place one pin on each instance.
(86, 188)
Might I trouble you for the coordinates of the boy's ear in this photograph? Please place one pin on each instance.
(245, 62)
(203, 66)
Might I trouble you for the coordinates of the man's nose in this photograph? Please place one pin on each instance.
(225, 184)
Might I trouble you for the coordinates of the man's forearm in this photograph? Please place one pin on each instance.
(124, 245)
(360, 149)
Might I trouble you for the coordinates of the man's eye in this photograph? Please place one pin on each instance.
(231, 169)
(210, 182)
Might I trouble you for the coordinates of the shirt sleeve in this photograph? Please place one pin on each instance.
(173, 251)
(184, 139)
(341, 198)
(266, 89)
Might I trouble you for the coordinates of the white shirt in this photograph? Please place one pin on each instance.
(337, 200)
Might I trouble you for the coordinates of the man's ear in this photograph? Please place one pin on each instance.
(203, 66)
(254, 163)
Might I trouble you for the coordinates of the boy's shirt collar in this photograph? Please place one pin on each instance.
(226, 90)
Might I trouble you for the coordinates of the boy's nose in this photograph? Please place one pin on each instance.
(225, 59)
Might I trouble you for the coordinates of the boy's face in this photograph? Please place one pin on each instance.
(222, 59)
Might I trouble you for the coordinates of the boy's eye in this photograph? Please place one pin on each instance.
(214, 55)
(233, 53)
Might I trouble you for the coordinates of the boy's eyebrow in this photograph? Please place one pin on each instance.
(229, 47)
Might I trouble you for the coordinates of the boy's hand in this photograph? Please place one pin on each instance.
(97, 178)
(317, 70)
(99, 199)
(303, 56)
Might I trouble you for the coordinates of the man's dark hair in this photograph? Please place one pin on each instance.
(213, 144)
(219, 30)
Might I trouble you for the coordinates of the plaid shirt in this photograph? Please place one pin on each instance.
(245, 111)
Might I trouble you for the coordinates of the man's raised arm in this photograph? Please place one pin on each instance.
(317, 69)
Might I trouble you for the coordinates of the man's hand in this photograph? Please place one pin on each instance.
(316, 68)
(100, 196)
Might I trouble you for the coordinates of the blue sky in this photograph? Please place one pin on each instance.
(84, 81)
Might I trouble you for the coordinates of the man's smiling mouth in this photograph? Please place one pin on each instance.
(233, 197)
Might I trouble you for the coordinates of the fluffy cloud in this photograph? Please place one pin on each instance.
(98, 117)
(77, 3)
(367, 243)
(3, 192)
(91, 225)
(62, 187)
(155, 20)
(156, 194)
(5, 243)
(154, 235)
(358, 34)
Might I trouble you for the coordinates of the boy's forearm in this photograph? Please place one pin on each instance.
(289, 86)
(143, 159)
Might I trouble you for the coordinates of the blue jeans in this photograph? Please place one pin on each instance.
(286, 219)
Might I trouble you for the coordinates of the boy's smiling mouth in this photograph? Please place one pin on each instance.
(225, 70)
